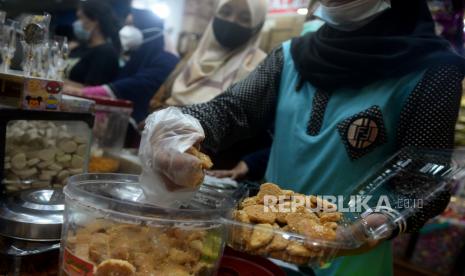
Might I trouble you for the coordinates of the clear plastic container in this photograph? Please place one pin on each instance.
(399, 188)
(111, 122)
(42, 149)
(106, 228)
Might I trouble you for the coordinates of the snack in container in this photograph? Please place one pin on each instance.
(298, 234)
(103, 165)
(409, 181)
(106, 230)
(42, 149)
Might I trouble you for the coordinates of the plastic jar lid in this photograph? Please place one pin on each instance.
(116, 196)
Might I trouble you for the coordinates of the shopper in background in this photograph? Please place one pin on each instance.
(253, 166)
(147, 66)
(373, 80)
(96, 29)
(250, 167)
(227, 52)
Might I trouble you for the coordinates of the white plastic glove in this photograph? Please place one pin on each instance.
(169, 175)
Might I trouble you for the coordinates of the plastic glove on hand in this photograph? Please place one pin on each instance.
(171, 168)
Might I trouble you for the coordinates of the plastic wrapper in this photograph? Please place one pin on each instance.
(170, 176)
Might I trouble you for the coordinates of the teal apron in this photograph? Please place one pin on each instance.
(321, 165)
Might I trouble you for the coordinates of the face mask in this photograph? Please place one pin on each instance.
(353, 15)
(131, 38)
(230, 35)
(79, 31)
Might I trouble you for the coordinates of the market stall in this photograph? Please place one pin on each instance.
(75, 202)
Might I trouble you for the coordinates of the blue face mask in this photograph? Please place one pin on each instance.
(79, 31)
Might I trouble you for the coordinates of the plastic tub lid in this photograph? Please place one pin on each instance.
(35, 215)
(405, 183)
(117, 195)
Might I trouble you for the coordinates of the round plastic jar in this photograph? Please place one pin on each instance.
(106, 230)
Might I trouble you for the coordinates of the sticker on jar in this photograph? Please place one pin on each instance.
(75, 266)
(42, 94)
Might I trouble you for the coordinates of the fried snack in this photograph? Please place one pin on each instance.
(122, 249)
(322, 204)
(257, 214)
(144, 263)
(182, 257)
(205, 159)
(249, 201)
(331, 225)
(268, 189)
(330, 217)
(241, 234)
(241, 216)
(307, 214)
(170, 269)
(297, 249)
(312, 229)
(283, 255)
(114, 267)
(317, 224)
(98, 248)
(278, 243)
(261, 236)
(287, 193)
(103, 165)
(281, 218)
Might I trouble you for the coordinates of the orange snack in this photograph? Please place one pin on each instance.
(103, 165)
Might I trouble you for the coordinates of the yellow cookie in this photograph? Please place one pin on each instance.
(261, 236)
(268, 189)
(256, 213)
(114, 267)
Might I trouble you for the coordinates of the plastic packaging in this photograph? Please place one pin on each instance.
(400, 188)
(169, 175)
(105, 226)
(111, 122)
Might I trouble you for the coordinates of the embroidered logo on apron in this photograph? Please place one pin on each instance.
(363, 132)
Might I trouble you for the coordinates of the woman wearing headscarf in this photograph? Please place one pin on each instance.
(373, 80)
(227, 52)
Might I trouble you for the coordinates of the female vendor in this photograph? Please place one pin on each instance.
(374, 79)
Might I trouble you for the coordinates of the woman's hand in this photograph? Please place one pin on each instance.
(238, 172)
(72, 90)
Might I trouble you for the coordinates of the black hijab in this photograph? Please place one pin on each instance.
(399, 41)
